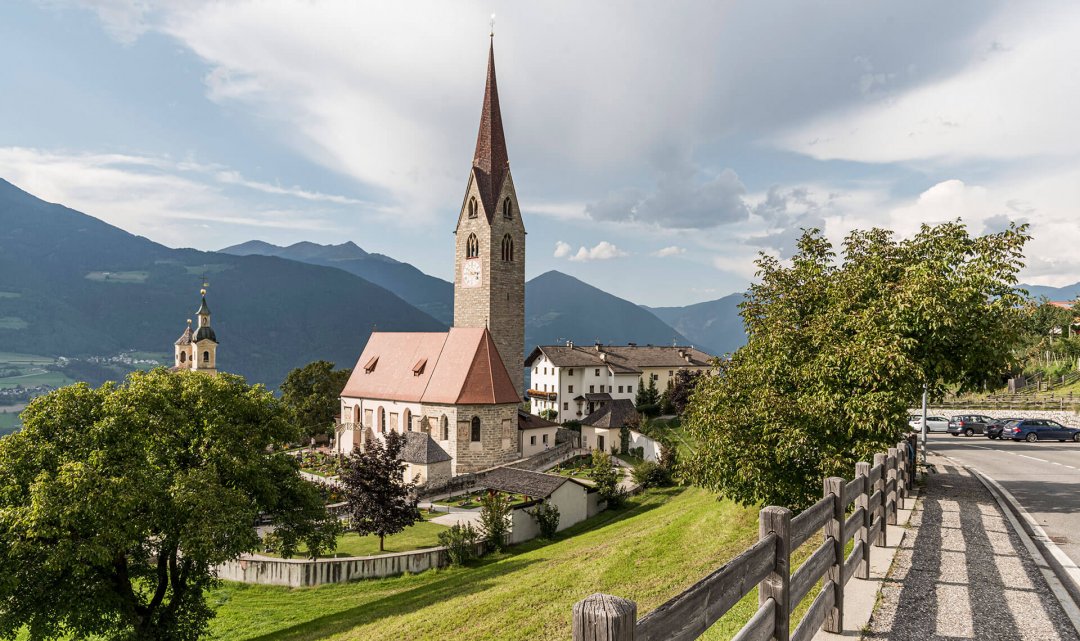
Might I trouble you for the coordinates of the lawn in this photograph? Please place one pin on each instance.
(472, 499)
(421, 535)
(660, 543)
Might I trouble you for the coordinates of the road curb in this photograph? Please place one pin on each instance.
(1060, 572)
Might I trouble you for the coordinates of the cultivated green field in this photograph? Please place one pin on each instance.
(118, 277)
(15, 359)
(421, 535)
(660, 543)
(56, 379)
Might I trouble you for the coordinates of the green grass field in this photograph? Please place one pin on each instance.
(17, 360)
(421, 535)
(659, 544)
(55, 379)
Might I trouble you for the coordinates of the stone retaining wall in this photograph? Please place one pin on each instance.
(1071, 419)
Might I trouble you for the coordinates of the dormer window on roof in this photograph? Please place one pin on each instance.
(418, 369)
(370, 366)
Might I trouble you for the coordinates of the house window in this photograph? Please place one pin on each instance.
(596, 373)
(507, 248)
(473, 207)
(592, 388)
(475, 436)
(508, 211)
(570, 372)
(630, 389)
(536, 370)
(620, 389)
(656, 377)
(671, 372)
(566, 406)
(545, 371)
(532, 440)
(545, 439)
(407, 419)
(609, 389)
(570, 389)
(472, 247)
(445, 428)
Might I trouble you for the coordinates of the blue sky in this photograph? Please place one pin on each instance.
(656, 147)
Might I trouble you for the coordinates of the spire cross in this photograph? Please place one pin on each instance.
(492, 34)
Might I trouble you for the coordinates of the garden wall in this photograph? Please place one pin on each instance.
(652, 449)
(296, 573)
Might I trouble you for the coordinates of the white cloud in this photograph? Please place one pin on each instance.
(602, 251)
(562, 250)
(1005, 103)
(673, 250)
(234, 178)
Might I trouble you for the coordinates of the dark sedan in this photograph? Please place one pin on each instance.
(1040, 429)
(968, 424)
(994, 429)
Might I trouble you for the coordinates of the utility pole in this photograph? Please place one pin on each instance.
(924, 426)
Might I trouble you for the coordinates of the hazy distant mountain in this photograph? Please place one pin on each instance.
(73, 285)
(433, 296)
(714, 325)
(1068, 292)
(560, 308)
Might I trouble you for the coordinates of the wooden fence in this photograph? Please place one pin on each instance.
(875, 491)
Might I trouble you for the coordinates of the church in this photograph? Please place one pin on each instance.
(456, 394)
(197, 350)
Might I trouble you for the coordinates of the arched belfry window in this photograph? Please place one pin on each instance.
(507, 248)
(183, 357)
(206, 357)
(508, 210)
(475, 436)
(472, 247)
(473, 207)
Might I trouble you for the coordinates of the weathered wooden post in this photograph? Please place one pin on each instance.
(901, 473)
(602, 617)
(862, 471)
(879, 507)
(834, 528)
(890, 486)
(777, 520)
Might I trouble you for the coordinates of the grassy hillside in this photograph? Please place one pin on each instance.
(649, 551)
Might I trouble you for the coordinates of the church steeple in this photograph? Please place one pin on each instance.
(491, 161)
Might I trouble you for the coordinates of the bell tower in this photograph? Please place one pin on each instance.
(489, 270)
(204, 342)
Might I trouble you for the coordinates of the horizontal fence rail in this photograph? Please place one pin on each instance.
(877, 491)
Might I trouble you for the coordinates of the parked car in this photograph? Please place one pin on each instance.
(1040, 429)
(933, 423)
(993, 430)
(968, 424)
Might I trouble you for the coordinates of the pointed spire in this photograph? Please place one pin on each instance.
(491, 161)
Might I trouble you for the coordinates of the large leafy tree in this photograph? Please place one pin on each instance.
(381, 501)
(116, 503)
(311, 395)
(838, 350)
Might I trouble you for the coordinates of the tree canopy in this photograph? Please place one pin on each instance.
(311, 396)
(838, 350)
(116, 503)
(381, 501)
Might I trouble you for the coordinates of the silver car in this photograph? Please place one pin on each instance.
(933, 423)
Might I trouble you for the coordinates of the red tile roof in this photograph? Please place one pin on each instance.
(462, 367)
(491, 163)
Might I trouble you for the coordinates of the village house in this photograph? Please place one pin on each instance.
(575, 380)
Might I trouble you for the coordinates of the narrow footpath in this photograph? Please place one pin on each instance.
(963, 573)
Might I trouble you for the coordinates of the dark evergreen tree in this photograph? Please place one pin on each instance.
(380, 500)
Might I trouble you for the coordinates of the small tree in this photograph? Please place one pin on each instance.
(547, 519)
(647, 394)
(495, 519)
(460, 542)
(380, 500)
(549, 415)
(624, 440)
(606, 477)
(310, 396)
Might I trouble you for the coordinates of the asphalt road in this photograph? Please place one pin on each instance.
(1044, 477)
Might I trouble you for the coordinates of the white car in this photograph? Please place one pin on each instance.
(933, 423)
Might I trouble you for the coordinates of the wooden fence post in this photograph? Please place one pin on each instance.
(602, 617)
(879, 509)
(834, 528)
(890, 485)
(901, 473)
(862, 471)
(777, 520)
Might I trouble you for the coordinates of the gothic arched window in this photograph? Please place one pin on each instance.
(382, 420)
(507, 248)
(475, 436)
(508, 210)
(473, 207)
(472, 247)
(445, 428)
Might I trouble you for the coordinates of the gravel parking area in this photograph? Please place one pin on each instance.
(962, 573)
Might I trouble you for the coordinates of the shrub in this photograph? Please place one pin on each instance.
(606, 478)
(495, 520)
(649, 410)
(650, 474)
(549, 415)
(460, 543)
(547, 519)
(624, 439)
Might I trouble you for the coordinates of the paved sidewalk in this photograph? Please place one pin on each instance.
(963, 573)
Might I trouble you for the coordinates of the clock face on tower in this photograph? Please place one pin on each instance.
(470, 273)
